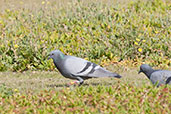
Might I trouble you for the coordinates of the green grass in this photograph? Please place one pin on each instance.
(138, 31)
(117, 34)
(47, 92)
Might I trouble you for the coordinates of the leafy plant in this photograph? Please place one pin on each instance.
(5, 92)
(139, 31)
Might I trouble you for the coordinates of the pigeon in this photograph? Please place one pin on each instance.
(77, 68)
(157, 77)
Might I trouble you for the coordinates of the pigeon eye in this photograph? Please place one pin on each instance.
(52, 53)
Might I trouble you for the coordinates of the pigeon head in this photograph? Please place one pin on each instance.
(145, 68)
(56, 54)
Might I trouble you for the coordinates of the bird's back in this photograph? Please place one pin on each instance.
(79, 67)
(161, 76)
(74, 64)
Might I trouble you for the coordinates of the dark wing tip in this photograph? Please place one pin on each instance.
(168, 80)
(118, 76)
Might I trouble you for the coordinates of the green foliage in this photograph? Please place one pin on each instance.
(5, 92)
(120, 98)
(93, 30)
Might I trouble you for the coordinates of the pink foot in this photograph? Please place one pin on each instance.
(74, 83)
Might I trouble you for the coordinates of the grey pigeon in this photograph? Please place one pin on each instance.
(156, 76)
(77, 68)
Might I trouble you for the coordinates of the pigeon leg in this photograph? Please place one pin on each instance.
(80, 80)
(74, 82)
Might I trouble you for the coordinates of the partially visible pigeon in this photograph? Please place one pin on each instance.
(156, 76)
(78, 68)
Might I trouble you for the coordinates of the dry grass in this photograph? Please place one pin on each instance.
(37, 4)
(41, 80)
(45, 80)
(33, 4)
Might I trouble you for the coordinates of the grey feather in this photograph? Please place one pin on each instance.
(156, 76)
(77, 68)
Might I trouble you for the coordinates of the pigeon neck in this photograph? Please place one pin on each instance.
(148, 73)
(57, 63)
(58, 60)
(61, 55)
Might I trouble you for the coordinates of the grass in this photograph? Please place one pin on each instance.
(47, 92)
(39, 80)
(106, 31)
(117, 34)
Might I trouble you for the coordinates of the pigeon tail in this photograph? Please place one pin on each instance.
(168, 80)
(117, 76)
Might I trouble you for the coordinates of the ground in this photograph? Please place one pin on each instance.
(47, 92)
(38, 80)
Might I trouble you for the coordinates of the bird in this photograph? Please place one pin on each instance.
(157, 77)
(79, 69)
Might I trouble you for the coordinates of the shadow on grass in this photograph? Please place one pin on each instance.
(58, 85)
(96, 84)
(85, 84)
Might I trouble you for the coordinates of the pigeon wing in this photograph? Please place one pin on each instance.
(83, 68)
(77, 66)
(160, 76)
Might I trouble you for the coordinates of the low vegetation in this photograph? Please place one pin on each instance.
(113, 34)
(47, 92)
(136, 32)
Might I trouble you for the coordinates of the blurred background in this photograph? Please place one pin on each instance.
(121, 33)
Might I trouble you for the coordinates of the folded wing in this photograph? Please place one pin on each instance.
(83, 68)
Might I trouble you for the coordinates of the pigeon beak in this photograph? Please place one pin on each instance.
(139, 72)
(49, 57)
